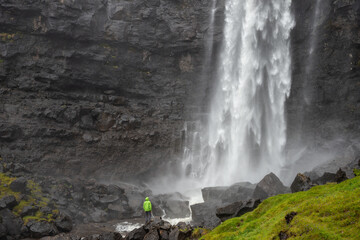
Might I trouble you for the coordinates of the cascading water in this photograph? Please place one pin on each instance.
(246, 131)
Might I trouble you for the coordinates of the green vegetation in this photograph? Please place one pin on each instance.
(330, 211)
(34, 198)
(356, 172)
(7, 37)
(199, 232)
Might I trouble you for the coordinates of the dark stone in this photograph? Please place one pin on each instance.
(2, 231)
(42, 229)
(176, 234)
(326, 178)
(236, 209)
(269, 186)
(136, 234)
(283, 235)
(340, 176)
(289, 217)
(300, 183)
(28, 211)
(63, 223)
(8, 202)
(164, 235)
(152, 235)
(238, 192)
(11, 222)
(212, 193)
(204, 214)
(19, 185)
(110, 236)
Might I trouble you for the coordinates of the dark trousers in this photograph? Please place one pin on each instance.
(147, 217)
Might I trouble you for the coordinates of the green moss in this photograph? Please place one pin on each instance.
(5, 190)
(324, 212)
(199, 232)
(356, 172)
(33, 198)
(6, 37)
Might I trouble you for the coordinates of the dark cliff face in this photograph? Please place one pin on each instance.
(102, 88)
(97, 88)
(324, 106)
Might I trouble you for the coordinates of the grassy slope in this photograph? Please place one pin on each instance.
(331, 212)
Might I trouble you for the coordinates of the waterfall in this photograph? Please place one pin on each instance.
(246, 131)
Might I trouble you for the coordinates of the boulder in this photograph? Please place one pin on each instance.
(98, 215)
(63, 223)
(326, 178)
(152, 235)
(177, 234)
(42, 229)
(269, 186)
(164, 235)
(11, 222)
(8, 202)
(300, 183)
(136, 234)
(177, 209)
(340, 176)
(238, 192)
(174, 205)
(212, 193)
(236, 209)
(110, 236)
(19, 185)
(204, 214)
(2, 231)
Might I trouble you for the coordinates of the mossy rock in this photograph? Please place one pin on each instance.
(33, 198)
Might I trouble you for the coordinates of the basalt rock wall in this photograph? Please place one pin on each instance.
(98, 88)
(324, 106)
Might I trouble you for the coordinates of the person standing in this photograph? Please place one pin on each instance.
(147, 208)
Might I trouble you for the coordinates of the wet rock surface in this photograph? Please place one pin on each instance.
(236, 209)
(103, 84)
(269, 186)
(322, 110)
(301, 183)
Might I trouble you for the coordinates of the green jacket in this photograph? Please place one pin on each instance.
(147, 205)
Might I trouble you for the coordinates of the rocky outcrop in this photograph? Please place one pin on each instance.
(269, 186)
(301, 183)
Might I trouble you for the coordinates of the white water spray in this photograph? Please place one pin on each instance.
(246, 132)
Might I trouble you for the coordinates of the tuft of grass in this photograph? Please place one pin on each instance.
(356, 172)
(330, 211)
(199, 232)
